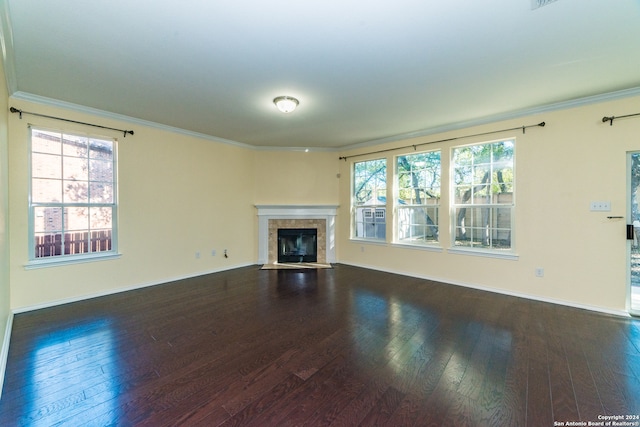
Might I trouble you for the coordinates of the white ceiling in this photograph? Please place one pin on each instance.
(363, 71)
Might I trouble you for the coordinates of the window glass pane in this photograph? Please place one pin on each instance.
(75, 146)
(100, 192)
(76, 168)
(45, 142)
(76, 192)
(370, 182)
(463, 175)
(100, 218)
(46, 166)
(481, 174)
(46, 190)
(462, 194)
(417, 225)
(100, 170)
(47, 219)
(77, 219)
(101, 149)
(76, 243)
(480, 194)
(48, 244)
(462, 156)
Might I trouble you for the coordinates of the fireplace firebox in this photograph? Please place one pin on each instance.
(297, 245)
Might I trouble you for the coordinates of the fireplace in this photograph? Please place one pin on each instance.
(322, 218)
(297, 245)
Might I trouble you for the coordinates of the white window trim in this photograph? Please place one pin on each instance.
(71, 259)
(54, 261)
(481, 252)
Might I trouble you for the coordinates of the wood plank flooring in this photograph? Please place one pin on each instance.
(341, 347)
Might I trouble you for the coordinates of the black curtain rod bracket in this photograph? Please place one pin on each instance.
(541, 124)
(21, 112)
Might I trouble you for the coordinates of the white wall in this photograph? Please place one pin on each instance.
(560, 168)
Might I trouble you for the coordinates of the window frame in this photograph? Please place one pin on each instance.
(492, 250)
(89, 256)
(374, 209)
(431, 243)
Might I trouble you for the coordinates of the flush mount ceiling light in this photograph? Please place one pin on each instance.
(286, 104)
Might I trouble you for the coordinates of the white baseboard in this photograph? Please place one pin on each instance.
(119, 290)
(4, 351)
(620, 313)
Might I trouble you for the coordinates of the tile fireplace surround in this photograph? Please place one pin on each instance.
(272, 217)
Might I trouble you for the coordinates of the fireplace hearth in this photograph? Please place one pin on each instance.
(297, 245)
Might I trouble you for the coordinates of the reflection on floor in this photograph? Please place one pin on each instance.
(294, 265)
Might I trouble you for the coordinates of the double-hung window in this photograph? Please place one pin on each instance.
(72, 203)
(369, 198)
(483, 180)
(418, 201)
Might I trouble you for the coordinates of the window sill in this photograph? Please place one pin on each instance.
(378, 242)
(68, 260)
(429, 248)
(484, 253)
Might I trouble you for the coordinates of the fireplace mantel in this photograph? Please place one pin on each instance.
(278, 212)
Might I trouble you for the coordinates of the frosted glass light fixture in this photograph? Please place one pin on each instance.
(286, 104)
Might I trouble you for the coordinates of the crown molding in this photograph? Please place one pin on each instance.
(36, 99)
(578, 102)
(557, 106)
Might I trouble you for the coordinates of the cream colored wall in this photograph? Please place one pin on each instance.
(296, 178)
(178, 195)
(4, 219)
(560, 169)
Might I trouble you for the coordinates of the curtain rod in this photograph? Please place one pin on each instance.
(610, 118)
(541, 124)
(15, 110)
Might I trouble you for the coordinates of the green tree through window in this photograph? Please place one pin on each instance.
(369, 199)
(418, 186)
(483, 195)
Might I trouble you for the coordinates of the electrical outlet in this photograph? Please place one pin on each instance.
(601, 206)
(213, 252)
(539, 272)
(197, 255)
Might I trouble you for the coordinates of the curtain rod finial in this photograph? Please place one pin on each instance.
(15, 110)
(608, 119)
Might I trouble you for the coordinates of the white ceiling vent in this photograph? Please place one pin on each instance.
(539, 3)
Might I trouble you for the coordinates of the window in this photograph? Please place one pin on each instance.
(72, 196)
(369, 199)
(483, 195)
(418, 204)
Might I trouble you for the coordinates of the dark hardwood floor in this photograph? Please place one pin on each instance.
(340, 347)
